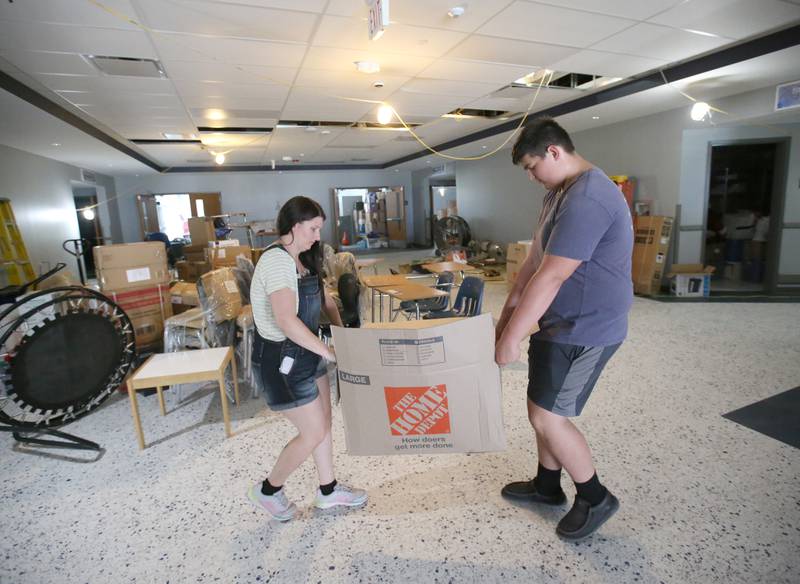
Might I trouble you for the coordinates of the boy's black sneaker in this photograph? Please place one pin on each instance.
(526, 491)
(583, 519)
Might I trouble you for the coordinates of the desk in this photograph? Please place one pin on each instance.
(369, 263)
(374, 282)
(409, 292)
(439, 267)
(183, 367)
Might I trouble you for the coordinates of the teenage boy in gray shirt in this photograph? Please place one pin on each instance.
(576, 286)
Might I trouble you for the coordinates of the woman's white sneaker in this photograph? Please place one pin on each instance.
(277, 505)
(341, 495)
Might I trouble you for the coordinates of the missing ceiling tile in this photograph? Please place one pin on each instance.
(127, 66)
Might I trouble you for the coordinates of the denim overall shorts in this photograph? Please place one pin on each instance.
(291, 387)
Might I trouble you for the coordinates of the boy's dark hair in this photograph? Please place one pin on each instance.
(537, 136)
(294, 211)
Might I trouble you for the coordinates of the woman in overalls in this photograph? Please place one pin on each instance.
(287, 295)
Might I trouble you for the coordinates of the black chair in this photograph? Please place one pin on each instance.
(469, 300)
(348, 288)
(444, 282)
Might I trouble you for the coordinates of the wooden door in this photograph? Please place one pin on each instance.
(211, 204)
(148, 214)
(396, 216)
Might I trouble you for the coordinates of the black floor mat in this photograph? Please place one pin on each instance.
(777, 416)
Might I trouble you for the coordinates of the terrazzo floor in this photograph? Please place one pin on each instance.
(703, 499)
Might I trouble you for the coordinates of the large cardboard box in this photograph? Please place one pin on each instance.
(194, 253)
(147, 307)
(650, 247)
(131, 265)
(183, 297)
(220, 257)
(420, 387)
(201, 230)
(690, 280)
(515, 255)
(222, 293)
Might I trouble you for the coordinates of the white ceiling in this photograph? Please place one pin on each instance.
(264, 60)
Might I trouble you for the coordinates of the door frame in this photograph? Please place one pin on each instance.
(335, 207)
(777, 203)
(192, 197)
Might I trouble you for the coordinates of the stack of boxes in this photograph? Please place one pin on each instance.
(650, 246)
(515, 255)
(136, 277)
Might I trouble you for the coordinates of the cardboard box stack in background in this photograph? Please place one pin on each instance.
(183, 296)
(135, 276)
(222, 292)
(515, 255)
(690, 280)
(195, 263)
(650, 247)
(225, 256)
(201, 231)
(420, 387)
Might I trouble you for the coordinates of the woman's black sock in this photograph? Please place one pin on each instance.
(268, 489)
(327, 489)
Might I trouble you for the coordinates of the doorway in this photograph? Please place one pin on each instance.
(442, 202)
(170, 212)
(369, 217)
(744, 192)
(88, 225)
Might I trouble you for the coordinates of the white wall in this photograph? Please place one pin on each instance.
(259, 194)
(40, 191)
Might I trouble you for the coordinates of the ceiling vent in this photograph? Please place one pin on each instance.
(88, 176)
(127, 66)
(232, 130)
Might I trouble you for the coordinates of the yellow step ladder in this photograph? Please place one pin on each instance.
(15, 266)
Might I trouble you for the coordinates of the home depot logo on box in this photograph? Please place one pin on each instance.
(418, 410)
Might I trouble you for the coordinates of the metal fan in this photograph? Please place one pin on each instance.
(451, 233)
(66, 350)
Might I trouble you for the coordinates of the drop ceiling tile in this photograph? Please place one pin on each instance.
(38, 36)
(351, 33)
(446, 87)
(551, 24)
(606, 64)
(659, 42)
(362, 138)
(34, 62)
(351, 84)
(304, 5)
(121, 87)
(430, 13)
(71, 12)
(633, 9)
(180, 47)
(344, 60)
(233, 90)
(736, 19)
(228, 20)
(455, 70)
(513, 52)
(228, 73)
(425, 104)
(304, 104)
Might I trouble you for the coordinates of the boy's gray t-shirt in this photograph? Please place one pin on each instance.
(591, 222)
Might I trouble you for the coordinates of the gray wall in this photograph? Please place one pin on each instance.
(40, 191)
(259, 194)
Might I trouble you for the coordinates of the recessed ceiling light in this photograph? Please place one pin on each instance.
(367, 67)
(484, 147)
(287, 158)
(455, 11)
(215, 114)
(595, 117)
(325, 132)
(55, 144)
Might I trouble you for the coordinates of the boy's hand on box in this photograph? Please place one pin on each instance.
(330, 356)
(506, 352)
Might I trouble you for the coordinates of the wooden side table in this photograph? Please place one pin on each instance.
(183, 367)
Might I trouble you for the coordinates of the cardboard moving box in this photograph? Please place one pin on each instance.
(147, 307)
(650, 247)
(220, 257)
(690, 280)
(131, 265)
(515, 255)
(183, 296)
(223, 295)
(424, 388)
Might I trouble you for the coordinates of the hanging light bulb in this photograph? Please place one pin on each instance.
(88, 214)
(385, 114)
(219, 158)
(699, 111)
